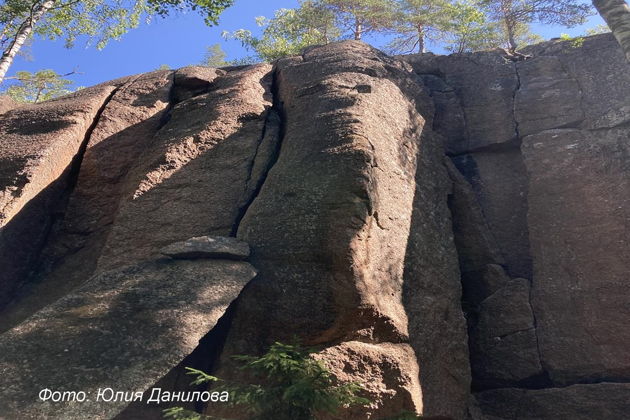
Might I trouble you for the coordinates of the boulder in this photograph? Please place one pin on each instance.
(193, 80)
(208, 247)
(383, 371)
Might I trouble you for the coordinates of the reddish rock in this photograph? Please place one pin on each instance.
(7, 104)
(38, 145)
(123, 329)
(330, 229)
(195, 176)
(388, 373)
(124, 128)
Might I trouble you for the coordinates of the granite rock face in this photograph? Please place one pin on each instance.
(342, 222)
(450, 231)
(39, 145)
(122, 329)
(555, 199)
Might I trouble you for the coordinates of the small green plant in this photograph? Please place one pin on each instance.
(293, 386)
(576, 42)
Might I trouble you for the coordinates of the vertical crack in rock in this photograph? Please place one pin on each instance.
(75, 168)
(113, 141)
(58, 209)
(545, 379)
(324, 274)
(263, 160)
(516, 90)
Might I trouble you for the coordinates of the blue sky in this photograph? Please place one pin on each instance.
(176, 41)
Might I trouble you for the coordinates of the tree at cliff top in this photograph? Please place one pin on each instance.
(215, 56)
(468, 28)
(37, 87)
(361, 17)
(512, 13)
(616, 13)
(100, 20)
(417, 21)
(289, 31)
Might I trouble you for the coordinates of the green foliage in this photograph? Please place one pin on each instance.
(37, 87)
(511, 13)
(361, 17)
(575, 42)
(99, 20)
(180, 413)
(416, 22)
(289, 385)
(215, 56)
(468, 28)
(209, 9)
(289, 31)
(599, 29)
(244, 61)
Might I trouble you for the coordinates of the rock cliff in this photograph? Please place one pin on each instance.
(450, 231)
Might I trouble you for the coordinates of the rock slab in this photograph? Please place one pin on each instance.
(208, 247)
(123, 329)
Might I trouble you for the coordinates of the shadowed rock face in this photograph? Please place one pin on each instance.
(449, 231)
(555, 199)
(123, 329)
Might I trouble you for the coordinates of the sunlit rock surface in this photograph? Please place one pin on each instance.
(449, 230)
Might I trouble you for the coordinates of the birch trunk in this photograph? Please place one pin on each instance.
(22, 34)
(616, 13)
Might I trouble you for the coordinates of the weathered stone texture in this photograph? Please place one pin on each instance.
(330, 227)
(124, 128)
(7, 104)
(579, 209)
(123, 329)
(499, 180)
(387, 370)
(504, 347)
(602, 74)
(38, 144)
(371, 244)
(194, 178)
(208, 247)
(193, 80)
(577, 402)
(484, 84)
